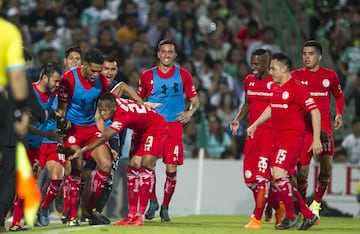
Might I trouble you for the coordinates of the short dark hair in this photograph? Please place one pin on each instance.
(166, 42)
(107, 97)
(315, 44)
(73, 48)
(110, 58)
(94, 55)
(49, 68)
(282, 58)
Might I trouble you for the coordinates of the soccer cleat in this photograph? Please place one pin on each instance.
(16, 227)
(136, 221)
(97, 218)
(153, 206)
(64, 217)
(307, 223)
(286, 223)
(253, 224)
(280, 213)
(315, 207)
(268, 214)
(164, 214)
(73, 222)
(43, 216)
(123, 222)
(59, 203)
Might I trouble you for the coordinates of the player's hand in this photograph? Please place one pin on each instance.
(152, 105)
(21, 125)
(251, 131)
(52, 135)
(75, 155)
(114, 153)
(234, 125)
(316, 147)
(338, 122)
(184, 117)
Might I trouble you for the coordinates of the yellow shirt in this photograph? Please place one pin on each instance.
(11, 51)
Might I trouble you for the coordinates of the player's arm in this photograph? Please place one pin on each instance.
(316, 125)
(51, 135)
(123, 89)
(104, 137)
(243, 111)
(100, 123)
(339, 102)
(262, 118)
(185, 116)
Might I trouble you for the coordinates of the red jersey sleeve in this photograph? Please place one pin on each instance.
(338, 94)
(104, 83)
(188, 84)
(145, 83)
(66, 87)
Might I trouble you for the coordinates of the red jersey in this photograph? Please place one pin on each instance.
(147, 80)
(288, 104)
(258, 93)
(320, 84)
(142, 119)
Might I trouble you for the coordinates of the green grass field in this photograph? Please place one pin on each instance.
(204, 224)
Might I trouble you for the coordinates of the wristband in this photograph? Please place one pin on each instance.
(19, 109)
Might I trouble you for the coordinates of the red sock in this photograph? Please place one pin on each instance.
(146, 178)
(302, 187)
(286, 196)
(75, 181)
(133, 183)
(261, 197)
(18, 210)
(153, 190)
(302, 205)
(169, 187)
(51, 193)
(274, 199)
(321, 187)
(97, 187)
(66, 193)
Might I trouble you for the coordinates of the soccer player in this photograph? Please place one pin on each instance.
(321, 82)
(167, 84)
(43, 90)
(257, 154)
(150, 133)
(12, 75)
(287, 106)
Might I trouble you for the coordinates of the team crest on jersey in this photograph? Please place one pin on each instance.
(248, 174)
(72, 140)
(116, 125)
(326, 83)
(285, 95)
(268, 85)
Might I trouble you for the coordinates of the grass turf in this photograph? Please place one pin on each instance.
(202, 224)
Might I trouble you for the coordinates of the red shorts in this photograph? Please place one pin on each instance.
(81, 136)
(48, 152)
(33, 155)
(257, 153)
(174, 148)
(287, 153)
(306, 155)
(149, 143)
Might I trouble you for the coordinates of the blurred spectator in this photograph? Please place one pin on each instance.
(245, 36)
(67, 33)
(40, 17)
(234, 56)
(217, 49)
(206, 23)
(218, 141)
(158, 30)
(199, 57)
(13, 15)
(189, 139)
(267, 42)
(240, 17)
(351, 142)
(139, 56)
(179, 11)
(107, 44)
(187, 36)
(349, 65)
(227, 109)
(127, 32)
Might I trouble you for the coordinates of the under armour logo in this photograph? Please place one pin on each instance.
(304, 82)
(164, 89)
(252, 84)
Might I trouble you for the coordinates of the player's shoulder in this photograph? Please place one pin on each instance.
(326, 70)
(10, 28)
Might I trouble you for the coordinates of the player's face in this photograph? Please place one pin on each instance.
(109, 71)
(311, 58)
(53, 82)
(258, 65)
(276, 70)
(106, 110)
(72, 60)
(166, 55)
(92, 71)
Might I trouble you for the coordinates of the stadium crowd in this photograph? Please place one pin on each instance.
(214, 40)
